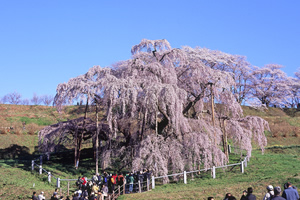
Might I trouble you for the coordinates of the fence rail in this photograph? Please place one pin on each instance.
(139, 186)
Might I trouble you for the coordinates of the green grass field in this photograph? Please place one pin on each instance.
(279, 163)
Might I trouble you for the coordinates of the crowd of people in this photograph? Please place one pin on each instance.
(273, 193)
(100, 186)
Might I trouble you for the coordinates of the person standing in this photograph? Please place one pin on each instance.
(290, 193)
(270, 192)
(104, 192)
(34, 197)
(41, 196)
(250, 196)
(244, 196)
(277, 196)
(130, 181)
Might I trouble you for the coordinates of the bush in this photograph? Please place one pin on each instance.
(32, 128)
(3, 131)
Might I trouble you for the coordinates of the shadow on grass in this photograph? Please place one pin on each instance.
(19, 156)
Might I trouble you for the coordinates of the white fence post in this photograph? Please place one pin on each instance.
(32, 165)
(245, 162)
(41, 170)
(140, 189)
(49, 177)
(58, 182)
(242, 166)
(184, 177)
(153, 182)
(214, 172)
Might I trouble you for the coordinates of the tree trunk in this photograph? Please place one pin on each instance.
(79, 140)
(213, 113)
(225, 143)
(76, 147)
(97, 140)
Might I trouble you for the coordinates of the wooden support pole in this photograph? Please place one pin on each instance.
(58, 182)
(124, 187)
(153, 182)
(242, 166)
(49, 177)
(214, 172)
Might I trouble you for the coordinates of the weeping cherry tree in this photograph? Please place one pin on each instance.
(167, 109)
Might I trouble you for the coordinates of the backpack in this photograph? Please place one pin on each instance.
(113, 180)
(95, 178)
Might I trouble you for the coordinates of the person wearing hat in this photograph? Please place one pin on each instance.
(41, 196)
(290, 193)
(277, 196)
(244, 196)
(270, 192)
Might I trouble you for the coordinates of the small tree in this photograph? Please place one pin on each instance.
(13, 98)
(36, 100)
(270, 85)
(47, 99)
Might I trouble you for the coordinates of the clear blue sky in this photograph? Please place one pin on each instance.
(44, 43)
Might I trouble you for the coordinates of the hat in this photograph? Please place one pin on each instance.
(277, 190)
(270, 187)
(42, 192)
(245, 191)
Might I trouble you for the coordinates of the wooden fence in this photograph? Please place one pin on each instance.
(139, 186)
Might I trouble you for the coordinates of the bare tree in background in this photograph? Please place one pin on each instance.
(13, 98)
(158, 107)
(36, 100)
(47, 99)
(25, 102)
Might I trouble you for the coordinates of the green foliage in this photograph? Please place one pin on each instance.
(37, 120)
(274, 167)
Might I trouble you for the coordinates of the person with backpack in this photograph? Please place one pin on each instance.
(95, 179)
(79, 182)
(120, 179)
(99, 179)
(113, 182)
(105, 179)
(269, 193)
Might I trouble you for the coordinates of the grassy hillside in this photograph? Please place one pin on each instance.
(279, 163)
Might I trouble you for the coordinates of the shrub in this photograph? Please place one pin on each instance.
(32, 128)
(17, 128)
(3, 131)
